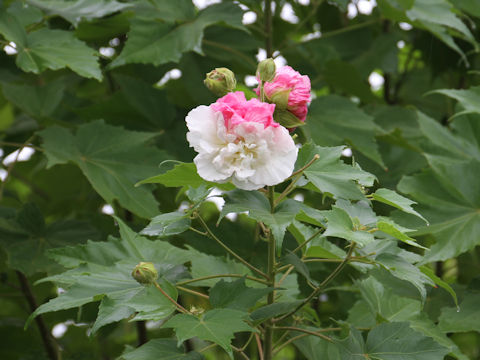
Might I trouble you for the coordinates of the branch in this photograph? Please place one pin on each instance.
(220, 276)
(48, 342)
(332, 276)
(230, 251)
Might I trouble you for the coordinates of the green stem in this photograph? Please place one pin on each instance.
(220, 276)
(230, 251)
(325, 282)
(177, 305)
(193, 292)
(319, 231)
(268, 343)
(314, 333)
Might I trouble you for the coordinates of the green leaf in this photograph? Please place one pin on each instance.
(165, 10)
(217, 325)
(391, 198)
(183, 174)
(389, 227)
(276, 309)
(428, 328)
(49, 49)
(464, 318)
(26, 237)
(168, 224)
(258, 208)
(235, 295)
(160, 349)
(102, 271)
(438, 281)
(208, 265)
(448, 200)
(112, 159)
(339, 224)
(335, 120)
(78, 10)
(38, 101)
(384, 303)
(402, 269)
(332, 176)
(159, 43)
(391, 341)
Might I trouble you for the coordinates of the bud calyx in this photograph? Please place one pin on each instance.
(145, 273)
(220, 81)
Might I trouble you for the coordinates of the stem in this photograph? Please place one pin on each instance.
(259, 346)
(330, 277)
(319, 231)
(268, 344)
(230, 251)
(223, 275)
(141, 333)
(193, 292)
(8, 143)
(47, 339)
(177, 305)
(314, 333)
(295, 176)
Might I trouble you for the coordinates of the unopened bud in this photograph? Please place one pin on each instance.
(220, 81)
(145, 273)
(266, 70)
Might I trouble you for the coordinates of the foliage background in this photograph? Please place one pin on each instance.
(97, 91)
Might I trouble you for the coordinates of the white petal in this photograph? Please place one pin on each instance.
(203, 124)
(207, 171)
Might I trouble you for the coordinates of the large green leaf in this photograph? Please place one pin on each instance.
(258, 208)
(402, 269)
(112, 158)
(391, 198)
(25, 238)
(49, 49)
(331, 175)
(391, 341)
(38, 101)
(217, 325)
(464, 318)
(449, 202)
(78, 10)
(102, 271)
(335, 120)
(339, 224)
(236, 295)
(160, 349)
(158, 43)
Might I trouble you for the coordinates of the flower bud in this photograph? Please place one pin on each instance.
(220, 81)
(266, 70)
(145, 273)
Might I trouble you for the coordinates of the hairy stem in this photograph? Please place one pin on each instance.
(48, 342)
(268, 343)
(220, 276)
(230, 251)
(177, 305)
(325, 282)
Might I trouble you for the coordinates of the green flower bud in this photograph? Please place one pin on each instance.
(145, 273)
(266, 70)
(220, 81)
